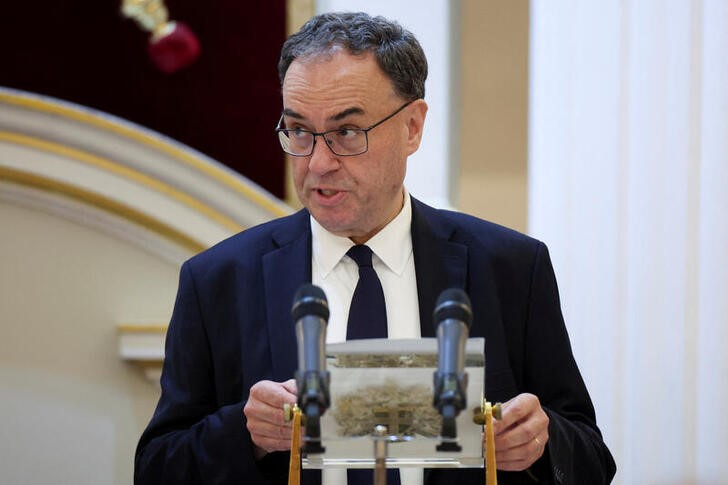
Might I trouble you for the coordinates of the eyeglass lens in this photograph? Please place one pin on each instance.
(341, 142)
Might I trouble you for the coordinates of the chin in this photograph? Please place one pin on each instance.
(334, 228)
(328, 221)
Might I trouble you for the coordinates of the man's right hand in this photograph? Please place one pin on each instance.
(264, 413)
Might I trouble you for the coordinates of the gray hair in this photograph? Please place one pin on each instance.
(396, 50)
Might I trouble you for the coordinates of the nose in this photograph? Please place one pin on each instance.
(322, 160)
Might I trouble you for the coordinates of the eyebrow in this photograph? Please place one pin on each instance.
(345, 113)
(338, 116)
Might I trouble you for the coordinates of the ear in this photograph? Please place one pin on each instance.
(415, 124)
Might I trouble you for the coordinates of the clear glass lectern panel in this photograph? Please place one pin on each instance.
(390, 382)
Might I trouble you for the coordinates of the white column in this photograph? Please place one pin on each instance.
(628, 176)
(429, 174)
(712, 309)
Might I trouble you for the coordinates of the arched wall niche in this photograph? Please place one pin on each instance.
(97, 214)
(128, 182)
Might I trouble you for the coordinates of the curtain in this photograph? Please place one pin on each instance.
(628, 186)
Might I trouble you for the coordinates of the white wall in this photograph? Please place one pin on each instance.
(72, 410)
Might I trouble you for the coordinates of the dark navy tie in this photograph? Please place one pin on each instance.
(367, 319)
(367, 313)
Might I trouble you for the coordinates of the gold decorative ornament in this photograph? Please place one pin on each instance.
(151, 15)
(172, 45)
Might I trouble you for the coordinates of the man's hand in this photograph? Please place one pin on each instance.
(264, 412)
(521, 434)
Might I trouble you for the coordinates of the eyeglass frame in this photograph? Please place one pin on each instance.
(323, 134)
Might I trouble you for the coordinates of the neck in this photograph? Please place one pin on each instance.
(366, 237)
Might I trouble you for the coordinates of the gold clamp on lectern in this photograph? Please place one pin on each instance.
(484, 416)
(382, 415)
(294, 465)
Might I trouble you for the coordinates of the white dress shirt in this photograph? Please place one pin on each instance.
(337, 275)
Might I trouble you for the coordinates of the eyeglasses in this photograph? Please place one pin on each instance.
(344, 142)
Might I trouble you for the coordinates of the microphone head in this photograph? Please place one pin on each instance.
(310, 300)
(453, 303)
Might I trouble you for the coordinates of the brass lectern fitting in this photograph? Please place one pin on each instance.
(288, 410)
(479, 413)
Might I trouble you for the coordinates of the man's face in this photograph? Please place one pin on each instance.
(351, 196)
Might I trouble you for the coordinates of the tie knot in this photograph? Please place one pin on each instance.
(361, 254)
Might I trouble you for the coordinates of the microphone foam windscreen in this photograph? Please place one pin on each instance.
(453, 303)
(310, 300)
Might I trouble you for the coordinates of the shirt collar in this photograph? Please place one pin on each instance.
(392, 244)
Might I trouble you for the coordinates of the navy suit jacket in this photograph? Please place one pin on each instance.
(231, 327)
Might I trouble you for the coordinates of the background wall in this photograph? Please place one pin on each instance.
(72, 409)
(493, 111)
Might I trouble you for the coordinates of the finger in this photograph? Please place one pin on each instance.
(512, 466)
(532, 429)
(291, 387)
(270, 444)
(265, 416)
(523, 456)
(270, 436)
(268, 430)
(273, 393)
(522, 434)
(515, 411)
(271, 441)
(261, 431)
(524, 451)
(255, 410)
(266, 402)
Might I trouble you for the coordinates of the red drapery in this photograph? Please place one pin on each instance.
(225, 105)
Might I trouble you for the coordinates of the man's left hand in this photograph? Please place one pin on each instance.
(521, 433)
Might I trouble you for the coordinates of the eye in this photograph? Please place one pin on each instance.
(297, 132)
(347, 132)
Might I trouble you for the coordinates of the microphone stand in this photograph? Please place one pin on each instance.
(381, 440)
(313, 400)
(453, 316)
(450, 399)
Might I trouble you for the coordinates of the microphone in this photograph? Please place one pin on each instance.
(453, 317)
(311, 313)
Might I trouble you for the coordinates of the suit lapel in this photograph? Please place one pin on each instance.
(285, 269)
(439, 262)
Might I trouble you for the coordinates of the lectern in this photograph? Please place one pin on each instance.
(381, 410)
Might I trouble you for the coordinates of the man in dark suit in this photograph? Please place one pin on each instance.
(353, 89)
